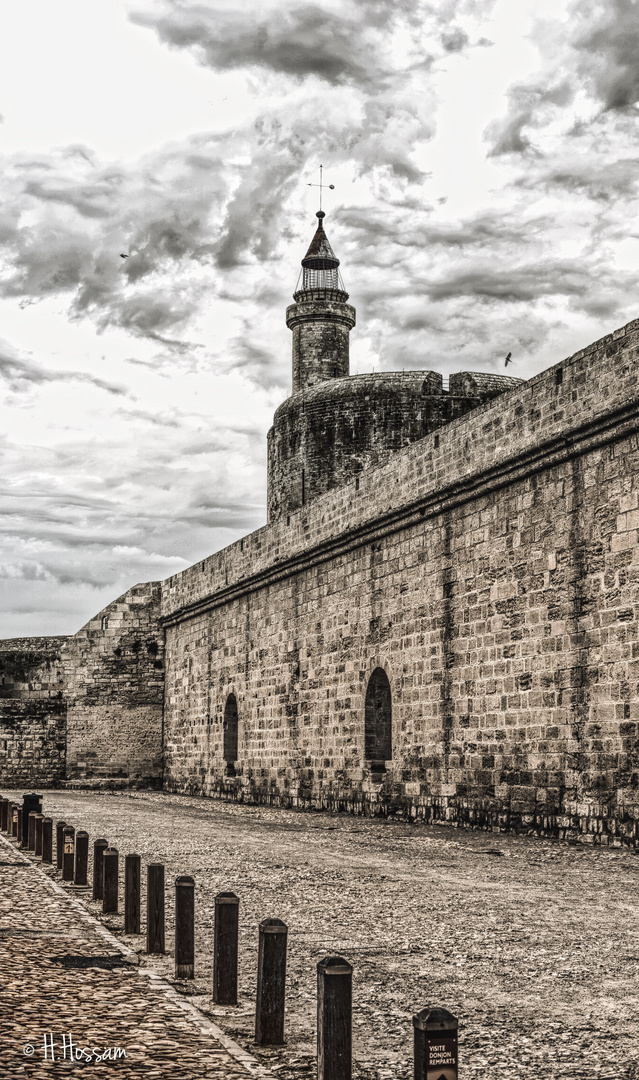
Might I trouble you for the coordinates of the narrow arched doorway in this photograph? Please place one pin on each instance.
(230, 734)
(378, 721)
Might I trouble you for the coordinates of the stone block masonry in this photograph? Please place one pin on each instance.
(87, 708)
(32, 710)
(115, 692)
(491, 571)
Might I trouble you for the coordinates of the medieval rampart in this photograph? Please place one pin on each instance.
(488, 572)
(115, 692)
(87, 708)
(33, 710)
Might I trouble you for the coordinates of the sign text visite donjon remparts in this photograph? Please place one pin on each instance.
(442, 1059)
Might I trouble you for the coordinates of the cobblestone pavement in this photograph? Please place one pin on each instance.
(533, 945)
(70, 999)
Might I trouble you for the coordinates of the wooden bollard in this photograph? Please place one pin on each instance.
(132, 894)
(81, 857)
(18, 834)
(68, 853)
(99, 847)
(4, 814)
(334, 1018)
(59, 842)
(39, 818)
(435, 1045)
(271, 983)
(15, 815)
(184, 928)
(29, 802)
(47, 840)
(110, 894)
(31, 831)
(225, 949)
(155, 908)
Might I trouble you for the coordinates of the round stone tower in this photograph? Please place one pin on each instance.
(320, 318)
(335, 425)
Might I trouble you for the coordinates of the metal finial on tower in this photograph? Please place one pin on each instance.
(321, 186)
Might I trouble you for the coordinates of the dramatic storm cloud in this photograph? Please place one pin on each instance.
(154, 206)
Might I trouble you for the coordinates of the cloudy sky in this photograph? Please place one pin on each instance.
(485, 162)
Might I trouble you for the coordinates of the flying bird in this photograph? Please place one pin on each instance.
(123, 256)
(508, 360)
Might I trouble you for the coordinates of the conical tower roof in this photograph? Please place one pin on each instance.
(319, 265)
(320, 255)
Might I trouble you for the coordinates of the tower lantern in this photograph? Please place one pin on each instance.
(320, 318)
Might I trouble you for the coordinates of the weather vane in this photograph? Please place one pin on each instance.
(321, 185)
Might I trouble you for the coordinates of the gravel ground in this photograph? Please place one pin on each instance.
(532, 944)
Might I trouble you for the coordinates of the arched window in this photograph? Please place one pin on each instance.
(230, 734)
(378, 742)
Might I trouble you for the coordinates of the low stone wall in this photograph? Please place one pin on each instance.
(32, 711)
(588, 823)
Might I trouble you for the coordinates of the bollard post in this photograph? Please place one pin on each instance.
(39, 818)
(110, 894)
(31, 831)
(18, 834)
(47, 840)
(225, 942)
(68, 853)
(14, 822)
(155, 908)
(29, 802)
(334, 1018)
(4, 812)
(59, 843)
(132, 894)
(99, 847)
(184, 928)
(81, 857)
(435, 1045)
(271, 983)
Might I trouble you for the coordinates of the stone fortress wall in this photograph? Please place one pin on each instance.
(116, 691)
(33, 710)
(490, 570)
(89, 706)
